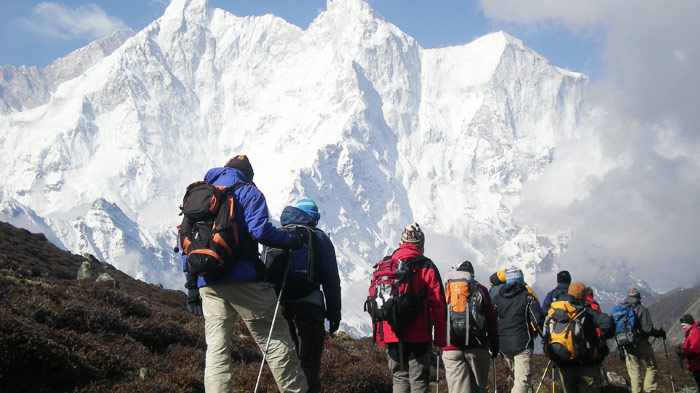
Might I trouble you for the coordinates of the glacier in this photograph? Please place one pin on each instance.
(98, 147)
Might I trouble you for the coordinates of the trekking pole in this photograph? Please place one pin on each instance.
(683, 374)
(543, 375)
(495, 384)
(274, 317)
(673, 387)
(553, 377)
(437, 370)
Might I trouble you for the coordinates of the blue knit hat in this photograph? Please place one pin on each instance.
(514, 274)
(308, 206)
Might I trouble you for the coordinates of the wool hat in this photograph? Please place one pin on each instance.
(308, 206)
(413, 234)
(514, 274)
(577, 290)
(493, 280)
(687, 319)
(466, 266)
(563, 277)
(241, 163)
(634, 292)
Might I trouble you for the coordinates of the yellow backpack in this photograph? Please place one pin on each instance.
(564, 333)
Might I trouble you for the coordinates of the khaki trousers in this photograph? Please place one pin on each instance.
(640, 359)
(520, 364)
(416, 367)
(466, 370)
(255, 302)
(581, 379)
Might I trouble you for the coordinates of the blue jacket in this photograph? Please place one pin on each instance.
(323, 252)
(547, 302)
(254, 226)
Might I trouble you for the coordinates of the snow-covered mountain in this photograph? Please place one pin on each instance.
(351, 112)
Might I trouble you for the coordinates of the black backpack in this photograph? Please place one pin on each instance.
(303, 276)
(208, 232)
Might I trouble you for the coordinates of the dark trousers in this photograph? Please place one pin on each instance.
(306, 325)
(696, 375)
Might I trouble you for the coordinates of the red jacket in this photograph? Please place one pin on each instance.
(426, 279)
(491, 324)
(691, 347)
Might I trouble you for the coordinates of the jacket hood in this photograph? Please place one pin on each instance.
(225, 176)
(292, 215)
(511, 290)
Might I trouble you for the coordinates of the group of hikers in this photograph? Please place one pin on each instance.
(411, 307)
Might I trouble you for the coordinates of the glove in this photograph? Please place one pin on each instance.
(333, 326)
(194, 302)
(661, 333)
(679, 352)
(299, 238)
(493, 351)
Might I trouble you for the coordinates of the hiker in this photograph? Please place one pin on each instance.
(639, 355)
(563, 281)
(520, 320)
(691, 347)
(408, 338)
(240, 290)
(579, 357)
(497, 280)
(472, 331)
(303, 304)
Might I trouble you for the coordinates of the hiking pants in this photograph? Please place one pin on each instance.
(640, 359)
(255, 302)
(581, 379)
(520, 364)
(696, 375)
(416, 367)
(466, 370)
(307, 330)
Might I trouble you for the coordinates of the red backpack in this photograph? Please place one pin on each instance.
(391, 298)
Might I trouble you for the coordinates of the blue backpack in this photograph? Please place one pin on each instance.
(626, 329)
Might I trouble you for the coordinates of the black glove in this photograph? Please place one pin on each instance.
(333, 326)
(299, 238)
(194, 302)
(661, 333)
(493, 351)
(679, 352)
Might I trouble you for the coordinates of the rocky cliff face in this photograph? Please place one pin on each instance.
(351, 112)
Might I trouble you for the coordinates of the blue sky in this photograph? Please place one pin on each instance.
(37, 32)
(633, 175)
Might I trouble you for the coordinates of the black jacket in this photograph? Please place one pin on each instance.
(520, 317)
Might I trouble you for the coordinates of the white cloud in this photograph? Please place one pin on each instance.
(635, 173)
(88, 21)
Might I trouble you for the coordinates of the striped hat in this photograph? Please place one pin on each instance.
(413, 234)
(308, 206)
(514, 274)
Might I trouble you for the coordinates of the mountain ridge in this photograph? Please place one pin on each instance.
(377, 130)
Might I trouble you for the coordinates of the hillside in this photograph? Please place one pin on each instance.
(666, 311)
(61, 334)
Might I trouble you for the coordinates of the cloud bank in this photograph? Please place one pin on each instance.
(88, 21)
(629, 188)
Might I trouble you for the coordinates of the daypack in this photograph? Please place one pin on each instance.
(465, 312)
(626, 329)
(303, 276)
(208, 232)
(564, 333)
(391, 298)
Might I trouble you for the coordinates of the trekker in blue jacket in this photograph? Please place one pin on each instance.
(242, 291)
(563, 282)
(303, 304)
